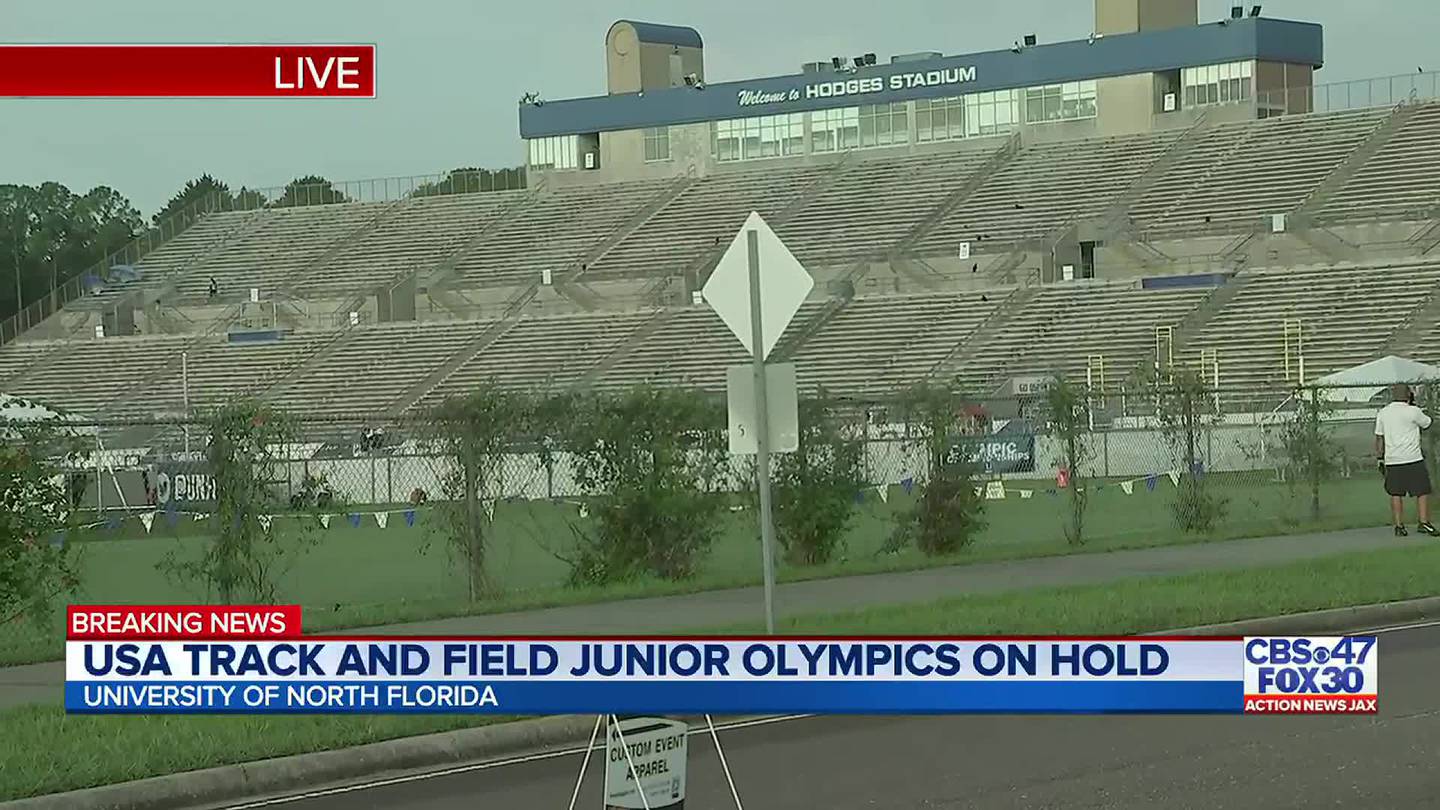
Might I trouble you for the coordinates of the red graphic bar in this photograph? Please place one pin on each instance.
(187, 71)
(180, 622)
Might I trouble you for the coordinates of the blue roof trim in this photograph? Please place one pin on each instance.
(1115, 55)
(658, 34)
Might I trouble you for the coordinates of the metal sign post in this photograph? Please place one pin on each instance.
(762, 432)
(757, 320)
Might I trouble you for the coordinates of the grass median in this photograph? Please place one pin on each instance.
(368, 576)
(46, 751)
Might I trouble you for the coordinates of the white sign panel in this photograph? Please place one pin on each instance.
(784, 285)
(651, 758)
(781, 401)
(254, 295)
(1277, 223)
(964, 250)
(897, 82)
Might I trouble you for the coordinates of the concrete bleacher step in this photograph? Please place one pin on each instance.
(636, 338)
(300, 370)
(444, 271)
(1016, 300)
(997, 161)
(1114, 223)
(1329, 244)
(1353, 162)
(415, 393)
(704, 264)
(341, 242)
(1410, 339)
(625, 228)
(1195, 322)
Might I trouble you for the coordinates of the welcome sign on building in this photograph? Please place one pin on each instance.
(859, 86)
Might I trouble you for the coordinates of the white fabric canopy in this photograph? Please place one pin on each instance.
(1364, 381)
(19, 409)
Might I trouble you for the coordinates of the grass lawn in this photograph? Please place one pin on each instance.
(367, 576)
(46, 751)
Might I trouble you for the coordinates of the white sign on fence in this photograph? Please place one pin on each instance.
(651, 759)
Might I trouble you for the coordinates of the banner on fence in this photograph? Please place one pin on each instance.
(996, 453)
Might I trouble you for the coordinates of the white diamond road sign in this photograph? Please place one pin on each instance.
(784, 285)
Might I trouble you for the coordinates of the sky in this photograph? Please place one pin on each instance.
(450, 73)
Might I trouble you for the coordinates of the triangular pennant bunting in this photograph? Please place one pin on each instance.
(325, 521)
(995, 491)
(265, 523)
(147, 519)
(1026, 493)
(908, 484)
(409, 517)
(1150, 482)
(172, 518)
(199, 516)
(1128, 487)
(860, 496)
(489, 505)
(58, 540)
(883, 490)
(979, 492)
(354, 518)
(584, 511)
(382, 518)
(1174, 477)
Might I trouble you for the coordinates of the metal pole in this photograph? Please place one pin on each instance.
(15, 247)
(185, 393)
(762, 432)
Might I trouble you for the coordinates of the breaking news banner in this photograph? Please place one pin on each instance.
(254, 660)
(187, 71)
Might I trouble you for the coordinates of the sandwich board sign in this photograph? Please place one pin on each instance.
(645, 756)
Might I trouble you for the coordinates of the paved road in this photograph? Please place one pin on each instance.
(41, 682)
(990, 763)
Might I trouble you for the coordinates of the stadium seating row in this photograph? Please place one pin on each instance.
(1219, 177)
(867, 345)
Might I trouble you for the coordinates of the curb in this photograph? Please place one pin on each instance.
(270, 776)
(1334, 620)
(433, 751)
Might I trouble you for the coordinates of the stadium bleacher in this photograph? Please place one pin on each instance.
(1400, 180)
(1373, 165)
(1043, 188)
(1234, 175)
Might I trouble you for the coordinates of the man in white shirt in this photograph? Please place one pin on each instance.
(1397, 448)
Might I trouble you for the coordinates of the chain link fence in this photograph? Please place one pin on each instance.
(368, 494)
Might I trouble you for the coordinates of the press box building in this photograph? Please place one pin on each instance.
(1149, 65)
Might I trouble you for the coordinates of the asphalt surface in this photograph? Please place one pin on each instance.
(897, 763)
(36, 683)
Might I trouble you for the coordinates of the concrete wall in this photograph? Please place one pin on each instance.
(1129, 16)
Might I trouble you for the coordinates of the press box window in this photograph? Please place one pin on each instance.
(558, 152)
(657, 144)
(1060, 102)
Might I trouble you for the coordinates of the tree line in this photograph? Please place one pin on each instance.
(50, 234)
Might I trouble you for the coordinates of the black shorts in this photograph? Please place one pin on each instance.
(1407, 479)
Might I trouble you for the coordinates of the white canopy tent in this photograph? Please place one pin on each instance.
(1361, 383)
(19, 409)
